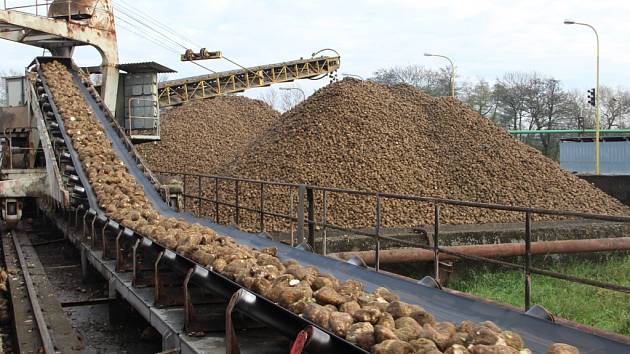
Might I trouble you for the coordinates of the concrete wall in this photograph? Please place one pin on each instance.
(617, 186)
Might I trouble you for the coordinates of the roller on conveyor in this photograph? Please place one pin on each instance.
(537, 331)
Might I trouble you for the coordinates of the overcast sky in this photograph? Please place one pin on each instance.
(484, 38)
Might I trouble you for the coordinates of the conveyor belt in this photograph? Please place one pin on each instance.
(538, 333)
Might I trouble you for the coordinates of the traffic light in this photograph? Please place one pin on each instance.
(591, 97)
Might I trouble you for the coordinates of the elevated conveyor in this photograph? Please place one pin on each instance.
(176, 92)
(538, 333)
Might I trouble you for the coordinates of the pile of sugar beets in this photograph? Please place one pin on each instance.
(378, 321)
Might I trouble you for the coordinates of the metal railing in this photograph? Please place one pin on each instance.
(302, 215)
(20, 157)
(41, 7)
(30, 6)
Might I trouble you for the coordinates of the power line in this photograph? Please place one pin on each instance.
(157, 22)
(151, 35)
(165, 37)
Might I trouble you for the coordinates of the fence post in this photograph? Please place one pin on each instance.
(310, 199)
(262, 207)
(237, 215)
(436, 237)
(377, 251)
(324, 221)
(199, 195)
(291, 216)
(300, 212)
(528, 260)
(216, 200)
(184, 188)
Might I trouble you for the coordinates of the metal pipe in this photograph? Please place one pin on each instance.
(410, 255)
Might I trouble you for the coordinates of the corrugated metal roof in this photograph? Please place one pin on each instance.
(144, 67)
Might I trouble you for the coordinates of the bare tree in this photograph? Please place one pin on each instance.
(615, 109)
(480, 97)
(281, 100)
(547, 106)
(510, 92)
(579, 114)
(433, 82)
(163, 77)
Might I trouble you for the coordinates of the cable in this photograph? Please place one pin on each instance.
(129, 8)
(156, 22)
(165, 37)
(145, 35)
(151, 35)
(239, 65)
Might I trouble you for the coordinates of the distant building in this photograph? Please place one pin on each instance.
(578, 155)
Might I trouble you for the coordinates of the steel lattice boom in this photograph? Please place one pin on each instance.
(199, 87)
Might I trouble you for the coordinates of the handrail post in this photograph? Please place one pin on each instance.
(237, 215)
(310, 199)
(377, 234)
(184, 188)
(262, 206)
(291, 214)
(199, 195)
(300, 212)
(528, 260)
(216, 200)
(436, 248)
(324, 221)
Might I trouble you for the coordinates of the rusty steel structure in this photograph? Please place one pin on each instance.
(176, 92)
(61, 25)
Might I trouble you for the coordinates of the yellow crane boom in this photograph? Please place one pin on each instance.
(176, 92)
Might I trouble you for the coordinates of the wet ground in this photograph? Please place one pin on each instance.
(126, 332)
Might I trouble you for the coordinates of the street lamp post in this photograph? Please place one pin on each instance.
(597, 95)
(452, 70)
(295, 89)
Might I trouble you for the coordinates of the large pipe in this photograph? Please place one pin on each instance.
(411, 255)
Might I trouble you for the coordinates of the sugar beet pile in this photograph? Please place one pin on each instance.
(376, 321)
(207, 132)
(366, 136)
